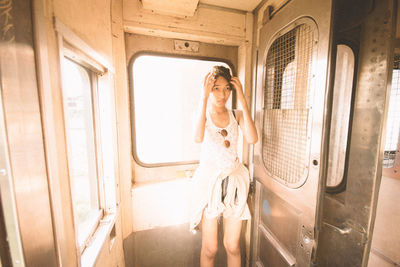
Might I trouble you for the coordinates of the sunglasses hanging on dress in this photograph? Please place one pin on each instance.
(224, 134)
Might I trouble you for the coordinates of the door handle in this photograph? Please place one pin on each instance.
(343, 231)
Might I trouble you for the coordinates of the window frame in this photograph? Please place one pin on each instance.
(100, 72)
(132, 101)
(99, 213)
(284, 30)
(390, 114)
(341, 187)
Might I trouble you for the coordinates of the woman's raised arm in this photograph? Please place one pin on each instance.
(246, 123)
(200, 119)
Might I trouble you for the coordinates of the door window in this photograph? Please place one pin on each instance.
(287, 105)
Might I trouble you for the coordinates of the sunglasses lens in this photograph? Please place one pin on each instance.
(224, 133)
(227, 143)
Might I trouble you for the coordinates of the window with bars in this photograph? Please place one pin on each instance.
(287, 105)
(393, 119)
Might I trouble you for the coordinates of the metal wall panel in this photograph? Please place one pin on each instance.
(348, 216)
(281, 218)
(269, 256)
(24, 134)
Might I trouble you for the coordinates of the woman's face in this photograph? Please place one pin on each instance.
(220, 92)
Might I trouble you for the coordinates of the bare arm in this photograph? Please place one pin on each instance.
(246, 123)
(200, 119)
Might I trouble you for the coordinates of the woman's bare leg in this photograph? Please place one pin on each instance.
(232, 229)
(209, 243)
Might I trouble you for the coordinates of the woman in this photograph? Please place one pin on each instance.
(221, 182)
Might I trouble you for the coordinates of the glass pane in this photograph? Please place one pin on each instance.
(108, 143)
(393, 119)
(77, 94)
(287, 106)
(166, 95)
(341, 106)
(10, 238)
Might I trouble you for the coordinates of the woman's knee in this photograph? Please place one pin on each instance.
(210, 249)
(232, 247)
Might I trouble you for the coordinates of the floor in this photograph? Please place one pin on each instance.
(385, 250)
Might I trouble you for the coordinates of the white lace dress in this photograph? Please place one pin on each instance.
(218, 162)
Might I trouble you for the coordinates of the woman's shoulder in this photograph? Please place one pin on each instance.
(237, 113)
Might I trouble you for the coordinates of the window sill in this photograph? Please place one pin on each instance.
(92, 251)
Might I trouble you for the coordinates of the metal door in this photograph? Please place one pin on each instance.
(292, 77)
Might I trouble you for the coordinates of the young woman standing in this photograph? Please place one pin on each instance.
(221, 182)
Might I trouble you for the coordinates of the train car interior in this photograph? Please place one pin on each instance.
(97, 156)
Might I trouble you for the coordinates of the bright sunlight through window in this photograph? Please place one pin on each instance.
(77, 90)
(393, 122)
(166, 92)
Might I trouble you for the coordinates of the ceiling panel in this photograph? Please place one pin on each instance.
(188, 7)
(245, 5)
(175, 7)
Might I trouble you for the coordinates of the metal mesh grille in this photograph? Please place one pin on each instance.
(286, 105)
(393, 120)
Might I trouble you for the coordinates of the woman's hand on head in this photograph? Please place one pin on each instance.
(237, 85)
(208, 85)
